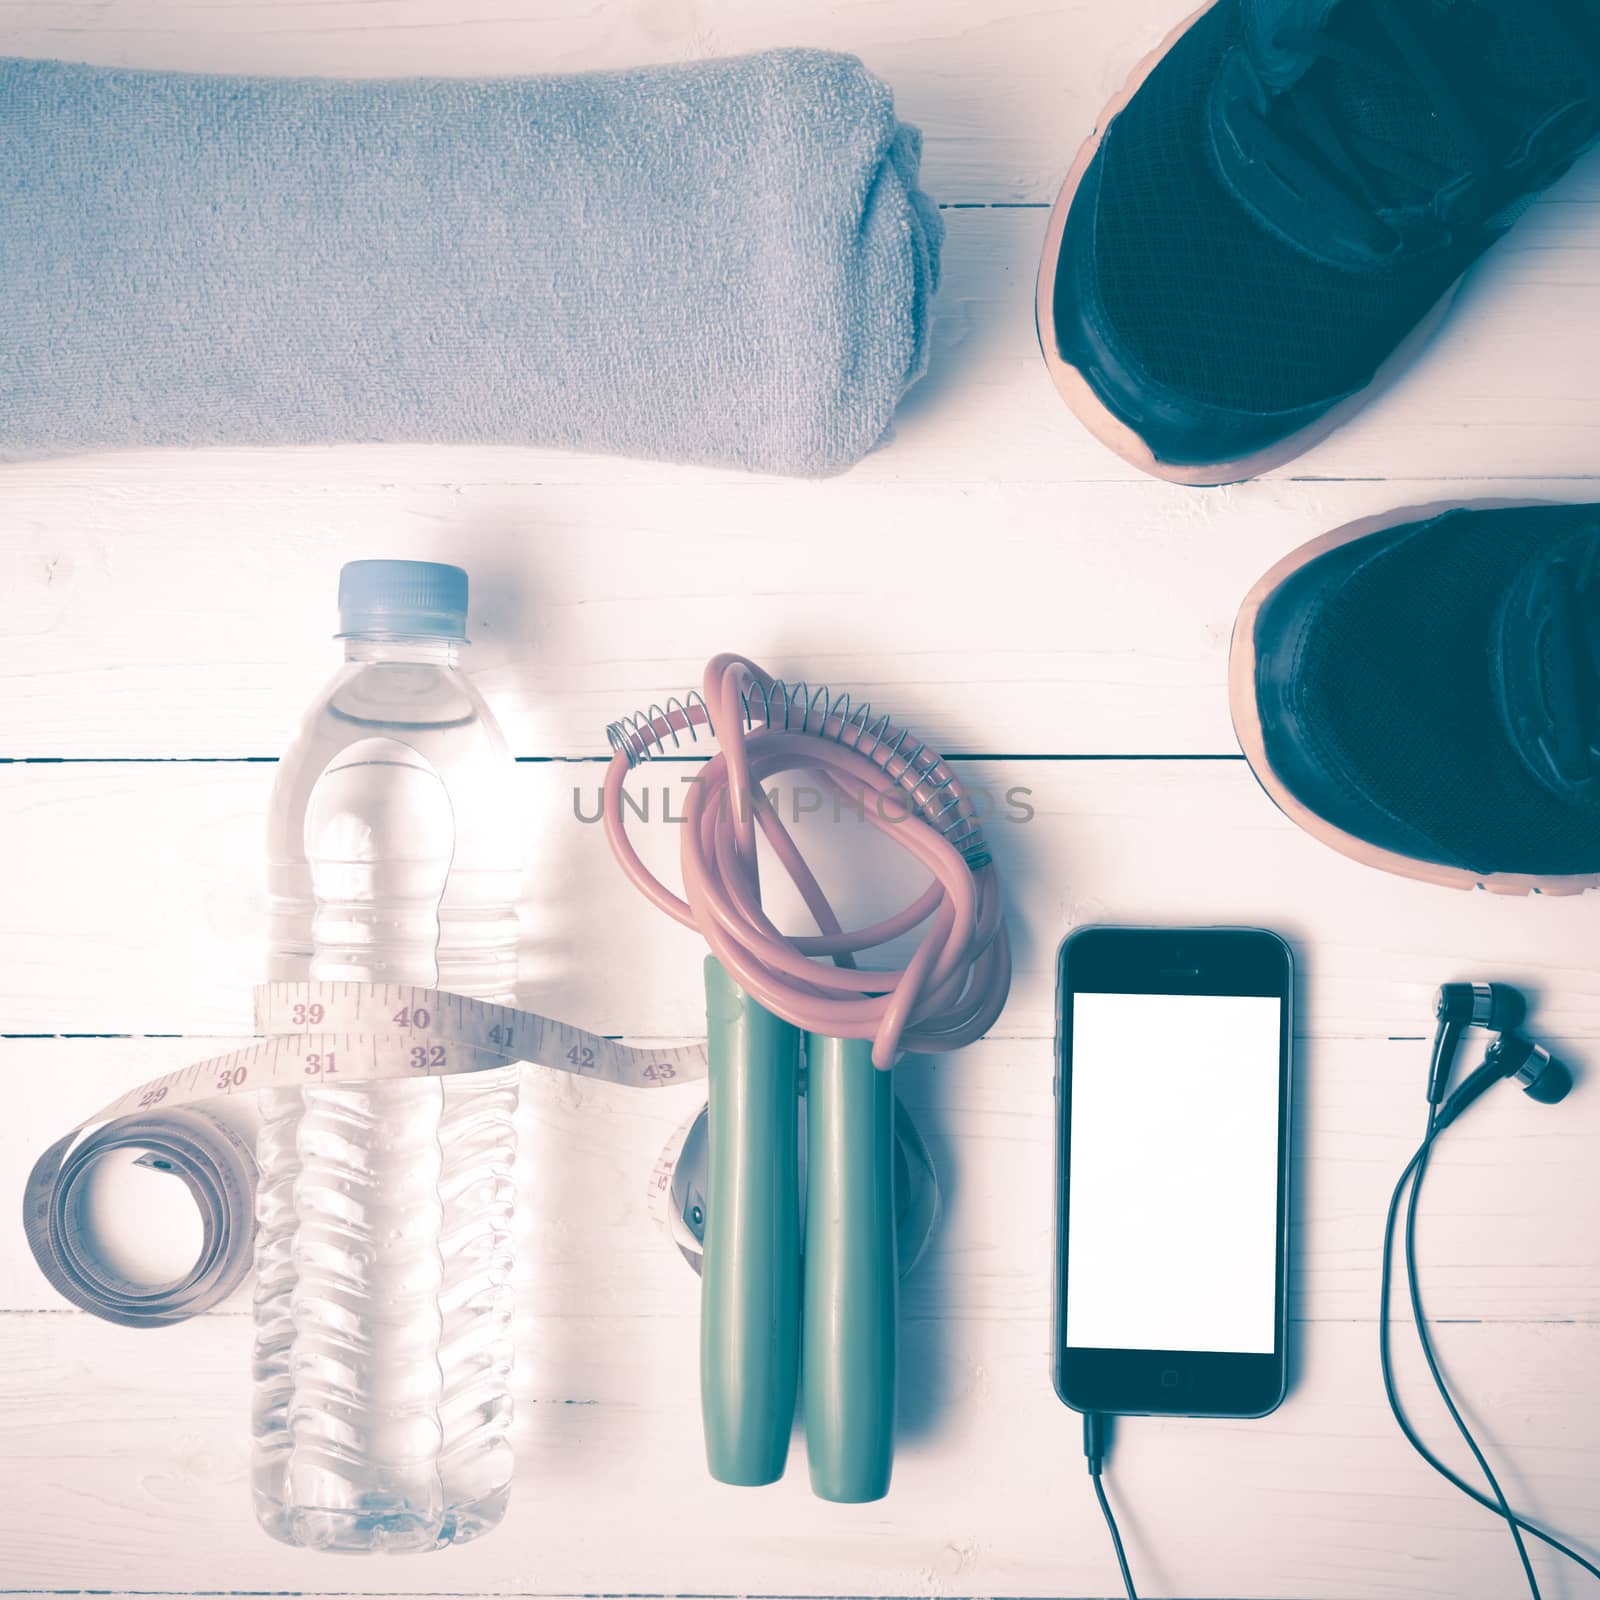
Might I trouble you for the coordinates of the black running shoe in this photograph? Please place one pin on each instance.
(1422, 692)
(1273, 214)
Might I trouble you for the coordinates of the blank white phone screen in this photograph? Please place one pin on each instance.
(1172, 1198)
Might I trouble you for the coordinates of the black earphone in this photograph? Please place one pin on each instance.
(1501, 1009)
(1460, 1006)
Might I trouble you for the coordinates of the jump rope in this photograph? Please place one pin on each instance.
(776, 1298)
(764, 988)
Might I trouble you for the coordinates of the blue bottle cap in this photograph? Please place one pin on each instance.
(409, 599)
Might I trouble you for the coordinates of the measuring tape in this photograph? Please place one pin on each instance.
(319, 1034)
(676, 1192)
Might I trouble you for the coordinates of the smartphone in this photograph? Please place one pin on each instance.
(1172, 1118)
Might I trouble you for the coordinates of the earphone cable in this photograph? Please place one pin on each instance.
(1116, 1538)
(1518, 1523)
(1094, 1450)
(1420, 1323)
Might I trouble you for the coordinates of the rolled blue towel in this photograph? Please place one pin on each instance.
(725, 262)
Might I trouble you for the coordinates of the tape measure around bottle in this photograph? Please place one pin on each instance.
(318, 1034)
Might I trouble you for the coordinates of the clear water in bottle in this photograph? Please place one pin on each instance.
(383, 1249)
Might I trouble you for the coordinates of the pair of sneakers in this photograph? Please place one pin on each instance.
(1268, 221)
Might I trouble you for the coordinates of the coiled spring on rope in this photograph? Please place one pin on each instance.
(952, 987)
(935, 792)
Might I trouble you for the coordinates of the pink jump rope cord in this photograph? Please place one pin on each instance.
(953, 987)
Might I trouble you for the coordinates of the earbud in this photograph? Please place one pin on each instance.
(1543, 1077)
(1460, 1006)
(1484, 1005)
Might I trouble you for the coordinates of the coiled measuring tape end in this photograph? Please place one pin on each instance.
(220, 1173)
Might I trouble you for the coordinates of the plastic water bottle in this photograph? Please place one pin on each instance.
(383, 1249)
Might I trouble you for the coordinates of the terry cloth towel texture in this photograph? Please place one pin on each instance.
(724, 262)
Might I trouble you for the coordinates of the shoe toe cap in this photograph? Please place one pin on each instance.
(1179, 429)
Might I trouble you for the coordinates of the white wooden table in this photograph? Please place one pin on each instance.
(1027, 601)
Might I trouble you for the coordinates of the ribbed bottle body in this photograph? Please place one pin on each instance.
(384, 1214)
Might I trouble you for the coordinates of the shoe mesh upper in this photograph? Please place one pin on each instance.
(1210, 303)
(1396, 702)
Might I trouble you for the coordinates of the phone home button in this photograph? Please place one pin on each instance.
(1169, 1378)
